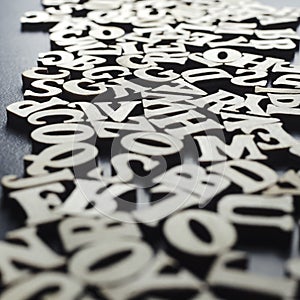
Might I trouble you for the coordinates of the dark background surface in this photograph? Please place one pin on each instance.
(18, 52)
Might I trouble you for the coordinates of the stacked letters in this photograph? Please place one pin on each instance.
(164, 148)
